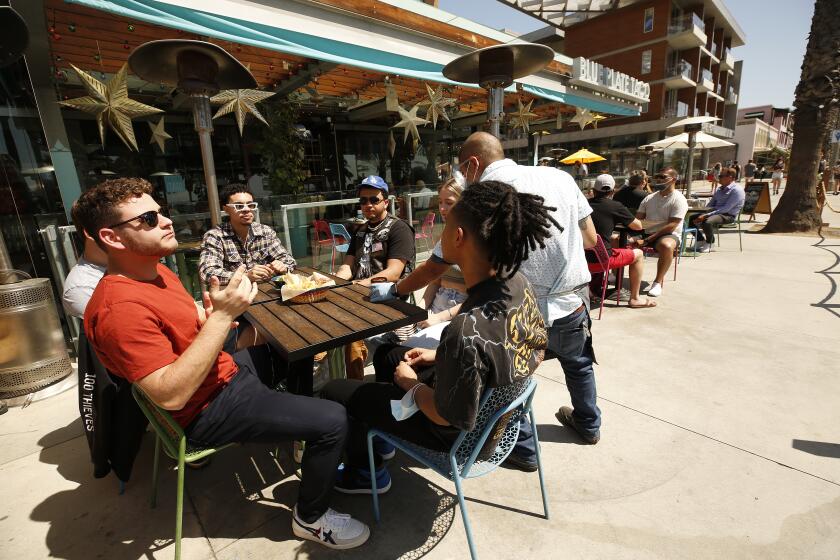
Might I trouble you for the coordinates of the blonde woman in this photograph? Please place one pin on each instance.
(443, 297)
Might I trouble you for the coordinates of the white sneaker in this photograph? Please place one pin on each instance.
(333, 530)
(704, 247)
(655, 290)
(297, 452)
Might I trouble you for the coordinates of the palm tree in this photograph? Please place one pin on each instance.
(816, 96)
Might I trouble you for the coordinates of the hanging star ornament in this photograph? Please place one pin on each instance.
(159, 135)
(241, 102)
(436, 104)
(583, 117)
(111, 105)
(409, 121)
(523, 116)
(595, 118)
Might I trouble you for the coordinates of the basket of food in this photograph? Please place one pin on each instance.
(304, 288)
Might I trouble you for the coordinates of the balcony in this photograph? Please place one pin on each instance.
(679, 76)
(706, 83)
(731, 97)
(687, 32)
(678, 109)
(727, 61)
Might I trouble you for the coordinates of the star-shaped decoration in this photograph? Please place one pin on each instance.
(111, 105)
(595, 118)
(523, 116)
(241, 102)
(583, 117)
(159, 135)
(409, 121)
(436, 104)
(392, 144)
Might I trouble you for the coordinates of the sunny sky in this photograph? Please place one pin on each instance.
(776, 30)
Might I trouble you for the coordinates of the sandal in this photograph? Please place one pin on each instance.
(648, 303)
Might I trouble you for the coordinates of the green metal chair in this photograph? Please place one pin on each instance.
(734, 225)
(171, 435)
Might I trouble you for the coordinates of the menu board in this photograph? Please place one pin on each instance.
(757, 200)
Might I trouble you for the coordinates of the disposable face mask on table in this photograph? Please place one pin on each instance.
(405, 407)
(382, 291)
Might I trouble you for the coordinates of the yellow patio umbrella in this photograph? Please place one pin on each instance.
(583, 155)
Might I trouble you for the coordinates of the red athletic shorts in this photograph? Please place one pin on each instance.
(618, 259)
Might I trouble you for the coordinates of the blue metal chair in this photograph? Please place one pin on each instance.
(339, 232)
(500, 410)
(734, 225)
(683, 247)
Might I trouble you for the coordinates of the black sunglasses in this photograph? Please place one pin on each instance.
(662, 177)
(150, 218)
(374, 200)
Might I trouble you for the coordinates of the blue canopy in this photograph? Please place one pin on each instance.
(311, 46)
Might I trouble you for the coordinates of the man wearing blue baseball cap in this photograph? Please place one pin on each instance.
(383, 247)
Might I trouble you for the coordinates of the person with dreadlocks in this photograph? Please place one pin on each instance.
(497, 338)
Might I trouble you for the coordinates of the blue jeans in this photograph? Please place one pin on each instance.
(571, 339)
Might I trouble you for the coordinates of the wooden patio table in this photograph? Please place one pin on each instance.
(299, 330)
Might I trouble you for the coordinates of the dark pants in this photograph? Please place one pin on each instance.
(707, 228)
(571, 339)
(249, 411)
(271, 367)
(369, 406)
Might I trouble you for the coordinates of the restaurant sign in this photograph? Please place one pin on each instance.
(596, 76)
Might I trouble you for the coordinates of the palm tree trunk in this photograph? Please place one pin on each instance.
(816, 95)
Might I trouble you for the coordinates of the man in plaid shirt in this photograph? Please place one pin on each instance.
(240, 241)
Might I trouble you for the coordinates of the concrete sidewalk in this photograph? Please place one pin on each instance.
(721, 439)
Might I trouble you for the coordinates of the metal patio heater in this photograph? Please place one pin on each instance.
(494, 69)
(200, 70)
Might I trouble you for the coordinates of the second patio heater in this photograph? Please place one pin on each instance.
(494, 69)
(200, 70)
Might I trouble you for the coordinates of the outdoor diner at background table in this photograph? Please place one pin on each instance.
(298, 330)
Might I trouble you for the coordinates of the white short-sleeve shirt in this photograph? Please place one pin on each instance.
(660, 209)
(560, 267)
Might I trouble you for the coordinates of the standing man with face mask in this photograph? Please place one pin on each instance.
(559, 274)
(666, 208)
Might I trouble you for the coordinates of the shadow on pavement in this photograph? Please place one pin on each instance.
(557, 433)
(818, 448)
(245, 493)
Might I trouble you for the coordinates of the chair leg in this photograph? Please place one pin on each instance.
(461, 502)
(619, 283)
(539, 460)
(603, 290)
(372, 465)
(179, 497)
(155, 472)
(676, 263)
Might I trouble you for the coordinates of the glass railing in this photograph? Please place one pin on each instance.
(681, 68)
(727, 56)
(679, 109)
(706, 75)
(686, 23)
(719, 90)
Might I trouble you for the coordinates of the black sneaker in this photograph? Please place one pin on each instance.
(564, 415)
(517, 462)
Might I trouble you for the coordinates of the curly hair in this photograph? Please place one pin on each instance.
(231, 189)
(509, 224)
(97, 206)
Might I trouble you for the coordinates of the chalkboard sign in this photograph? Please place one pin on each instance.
(757, 199)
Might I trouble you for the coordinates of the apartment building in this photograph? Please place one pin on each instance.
(760, 129)
(682, 48)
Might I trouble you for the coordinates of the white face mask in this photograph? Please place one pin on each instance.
(405, 407)
(459, 178)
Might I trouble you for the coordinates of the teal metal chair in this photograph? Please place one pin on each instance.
(734, 225)
(497, 424)
(692, 231)
(170, 434)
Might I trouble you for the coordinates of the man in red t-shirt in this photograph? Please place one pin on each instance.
(146, 328)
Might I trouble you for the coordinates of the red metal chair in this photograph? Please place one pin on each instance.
(602, 267)
(427, 231)
(323, 238)
(677, 252)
